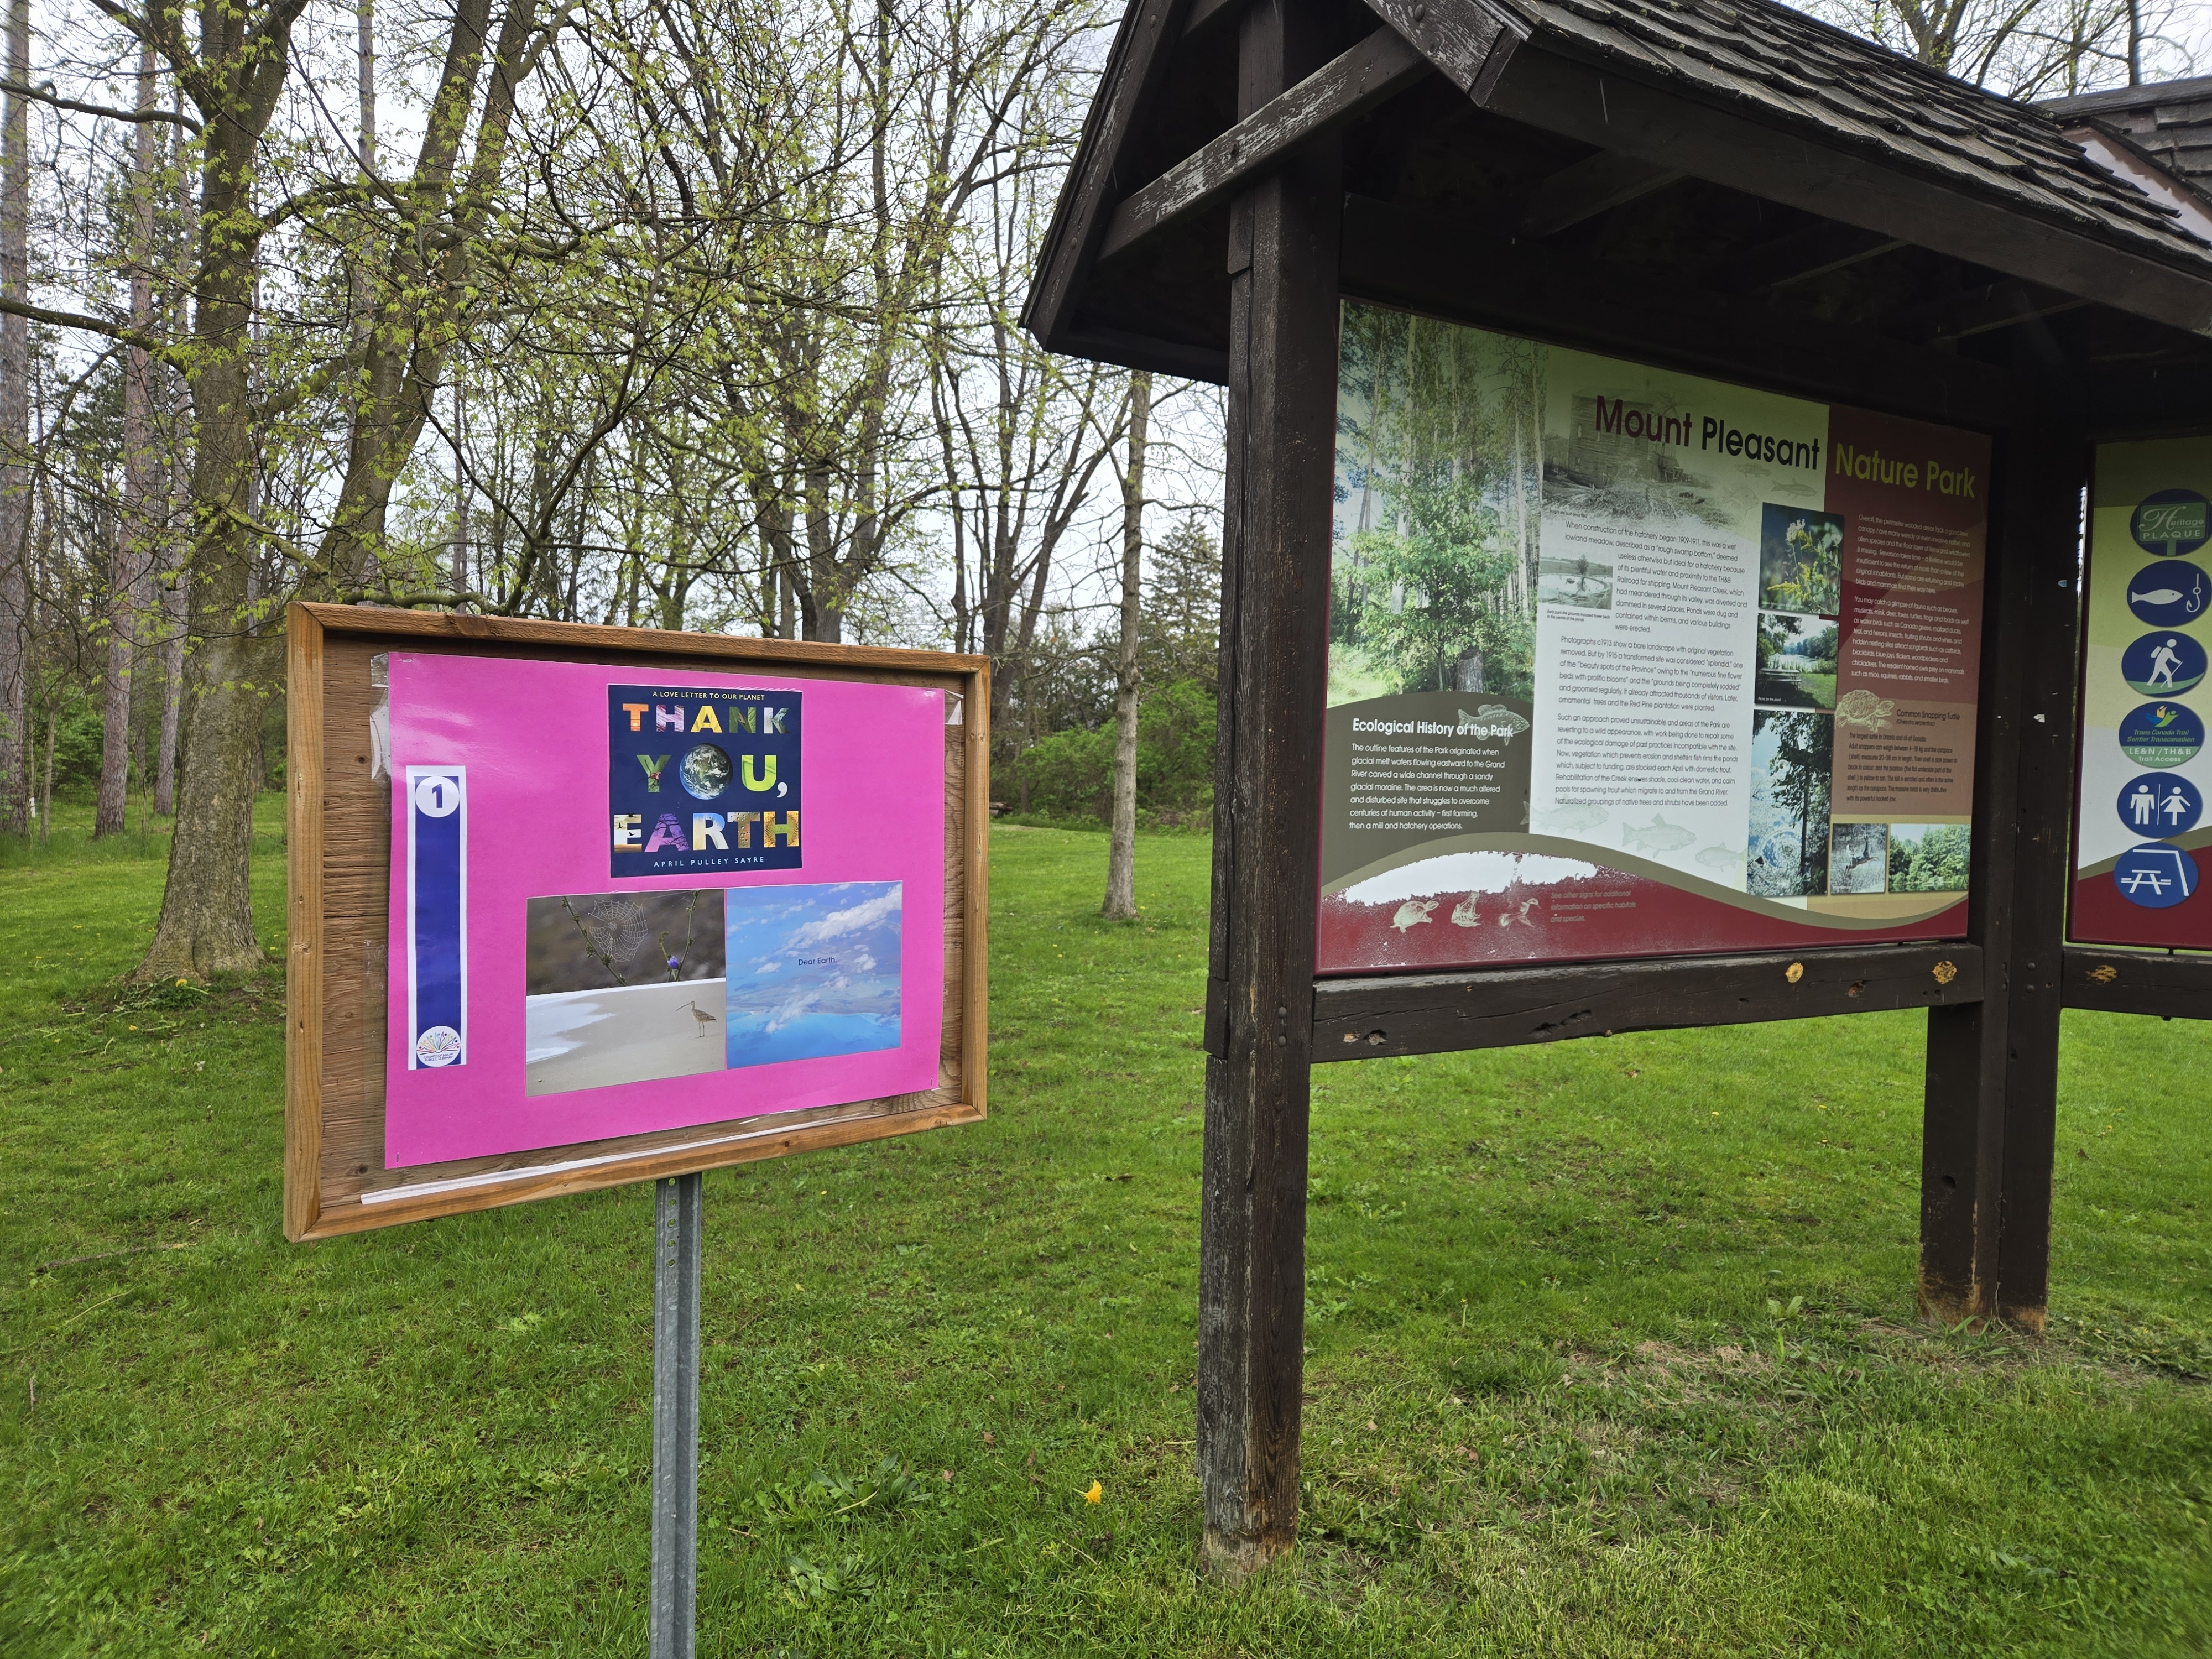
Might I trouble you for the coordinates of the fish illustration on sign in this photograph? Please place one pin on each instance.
(1720, 856)
(1464, 914)
(1491, 719)
(1412, 913)
(1658, 835)
(1865, 710)
(1568, 820)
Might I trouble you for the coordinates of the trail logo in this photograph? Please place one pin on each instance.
(701, 780)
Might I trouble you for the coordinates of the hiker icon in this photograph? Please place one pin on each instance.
(2156, 875)
(2158, 804)
(2163, 664)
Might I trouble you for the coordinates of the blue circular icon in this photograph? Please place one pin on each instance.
(2171, 522)
(2163, 664)
(2161, 734)
(2168, 595)
(2161, 804)
(2154, 875)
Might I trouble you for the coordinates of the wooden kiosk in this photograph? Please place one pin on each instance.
(1724, 189)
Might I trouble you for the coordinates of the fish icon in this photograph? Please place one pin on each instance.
(1567, 820)
(1412, 914)
(2156, 596)
(1464, 914)
(1658, 835)
(1720, 856)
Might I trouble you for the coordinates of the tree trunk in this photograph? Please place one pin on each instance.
(135, 533)
(14, 429)
(1121, 855)
(461, 491)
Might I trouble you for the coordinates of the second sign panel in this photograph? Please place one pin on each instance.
(1623, 662)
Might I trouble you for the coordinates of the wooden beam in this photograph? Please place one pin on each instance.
(1448, 269)
(1345, 86)
(1596, 184)
(1205, 14)
(1134, 70)
(1281, 443)
(1500, 1007)
(1147, 351)
(2138, 982)
(1470, 41)
(1611, 111)
(1800, 256)
(1983, 309)
(1989, 1112)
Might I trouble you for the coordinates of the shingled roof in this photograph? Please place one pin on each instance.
(1747, 95)
(2170, 122)
(1787, 69)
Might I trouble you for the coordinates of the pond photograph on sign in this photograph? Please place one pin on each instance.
(1628, 662)
(2138, 836)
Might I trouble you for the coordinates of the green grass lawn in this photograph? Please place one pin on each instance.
(1611, 1345)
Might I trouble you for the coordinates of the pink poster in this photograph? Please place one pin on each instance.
(624, 901)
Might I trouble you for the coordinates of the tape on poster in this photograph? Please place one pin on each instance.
(437, 916)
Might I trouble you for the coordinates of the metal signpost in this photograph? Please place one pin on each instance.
(677, 1201)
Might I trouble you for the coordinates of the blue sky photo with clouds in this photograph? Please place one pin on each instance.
(813, 972)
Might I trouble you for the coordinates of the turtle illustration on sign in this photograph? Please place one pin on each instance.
(1864, 709)
(1412, 913)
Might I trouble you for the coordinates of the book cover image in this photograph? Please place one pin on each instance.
(702, 779)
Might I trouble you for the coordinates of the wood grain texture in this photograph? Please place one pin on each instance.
(303, 967)
(1611, 111)
(2040, 510)
(1498, 1007)
(1284, 309)
(1471, 42)
(2116, 981)
(1347, 86)
(340, 856)
(1989, 1113)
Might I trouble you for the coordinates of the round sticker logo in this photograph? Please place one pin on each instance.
(2163, 664)
(438, 1046)
(2161, 734)
(437, 797)
(2168, 595)
(2171, 522)
(2154, 875)
(2161, 804)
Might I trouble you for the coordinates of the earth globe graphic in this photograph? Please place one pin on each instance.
(705, 771)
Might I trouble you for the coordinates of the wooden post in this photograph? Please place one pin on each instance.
(1993, 1065)
(1282, 437)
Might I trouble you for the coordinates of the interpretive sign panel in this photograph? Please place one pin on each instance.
(615, 937)
(2139, 822)
(1625, 662)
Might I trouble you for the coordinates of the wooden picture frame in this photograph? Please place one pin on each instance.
(339, 856)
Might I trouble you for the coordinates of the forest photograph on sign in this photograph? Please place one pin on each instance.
(2139, 829)
(1626, 662)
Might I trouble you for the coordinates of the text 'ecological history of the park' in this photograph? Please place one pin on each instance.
(2139, 817)
(1625, 662)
